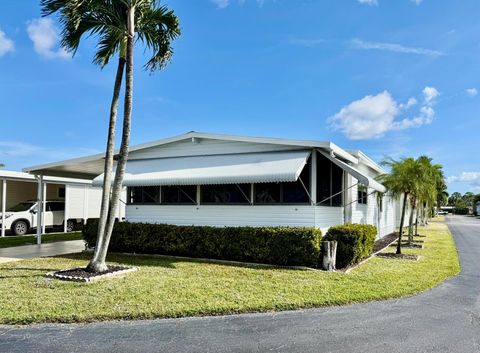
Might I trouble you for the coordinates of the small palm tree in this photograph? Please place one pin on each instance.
(118, 25)
(399, 182)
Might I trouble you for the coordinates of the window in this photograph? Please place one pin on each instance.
(268, 193)
(143, 195)
(225, 194)
(362, 194)
(287, 192)
(329, 182)
(179, 195)
(55, 206)
(61, 193)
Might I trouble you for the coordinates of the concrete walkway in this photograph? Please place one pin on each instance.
(445, 319)
(17, 253)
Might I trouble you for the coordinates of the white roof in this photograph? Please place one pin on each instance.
(361, 177)
(215, 169)
(19, 176)
(91, 166)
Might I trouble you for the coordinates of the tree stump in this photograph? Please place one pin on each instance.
(329, 255)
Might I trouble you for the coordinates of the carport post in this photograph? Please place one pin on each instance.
(4, 204)
(39, 208)
(44, 205)
(65, 213)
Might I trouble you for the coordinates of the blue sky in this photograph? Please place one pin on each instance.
(392, 78)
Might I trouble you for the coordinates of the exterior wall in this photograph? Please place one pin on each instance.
(386, 223)
(326, 217)
(204, 147)
(223, 215)
(84, 202)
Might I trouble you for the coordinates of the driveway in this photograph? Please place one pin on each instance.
(17, 253)
(445, 319)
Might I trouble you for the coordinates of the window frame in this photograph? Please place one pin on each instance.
(362, 194)
(248, 202)
(162, 197)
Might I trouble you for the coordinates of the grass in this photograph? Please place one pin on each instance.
(10, 241)
(171, 287)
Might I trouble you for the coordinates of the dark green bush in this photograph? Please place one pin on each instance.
(271, 245)
(461, 210)
(355, 242)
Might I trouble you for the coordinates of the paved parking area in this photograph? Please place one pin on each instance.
(50, 249)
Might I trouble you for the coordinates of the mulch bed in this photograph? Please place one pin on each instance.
(399, 256)
(382, 243)
(82, 275)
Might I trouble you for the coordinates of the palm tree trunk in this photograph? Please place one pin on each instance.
(410, 227)
(402, 219)
(107, 179)
(416, 222)
(124, 147)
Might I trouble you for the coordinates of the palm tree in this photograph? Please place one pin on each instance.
(400, 182)
(118, 25)
(2, 165)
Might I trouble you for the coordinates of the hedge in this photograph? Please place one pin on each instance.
(270, 245)
(355, 242)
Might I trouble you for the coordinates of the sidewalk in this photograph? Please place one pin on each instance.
(50, 249)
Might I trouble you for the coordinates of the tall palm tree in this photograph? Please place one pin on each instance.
(118, 25)
(400, 182)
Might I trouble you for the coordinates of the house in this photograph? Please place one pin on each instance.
(81, 199)
(227, 180)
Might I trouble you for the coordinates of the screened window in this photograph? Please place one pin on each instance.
(288, 192)
(362, 194)
(225, 194)
(179, 195)
(267, 193)
(143, 195)
(329, 182)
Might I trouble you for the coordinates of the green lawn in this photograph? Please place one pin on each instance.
(170, 287)
(10, 241)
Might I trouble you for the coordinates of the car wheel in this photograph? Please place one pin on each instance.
(20, 228)
(70, 225)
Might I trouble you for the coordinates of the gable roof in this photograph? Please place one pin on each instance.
(91, 166)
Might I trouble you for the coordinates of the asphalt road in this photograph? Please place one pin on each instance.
(445, 319)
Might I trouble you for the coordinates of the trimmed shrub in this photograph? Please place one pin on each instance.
(270, 245)
(355, 242)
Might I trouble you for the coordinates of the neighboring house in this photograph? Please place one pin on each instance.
(81, 199)
(477, 209)
(225, 180)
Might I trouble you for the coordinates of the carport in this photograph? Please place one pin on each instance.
(18, 187)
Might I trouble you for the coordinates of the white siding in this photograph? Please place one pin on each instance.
(387, 217)
(76, 201)
(223, 215)
(326, 217)
(205, 147)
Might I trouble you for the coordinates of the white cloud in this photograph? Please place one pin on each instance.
(368, 2)
(393, 47)
(473, 178)
(375, 2)
(430, 93)
(222, 4)
(6, 44)
(410, 103)
(45, 37)
(308, 43)
(472, 92)
(375, 115)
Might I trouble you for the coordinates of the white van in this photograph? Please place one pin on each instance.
(21, 218)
